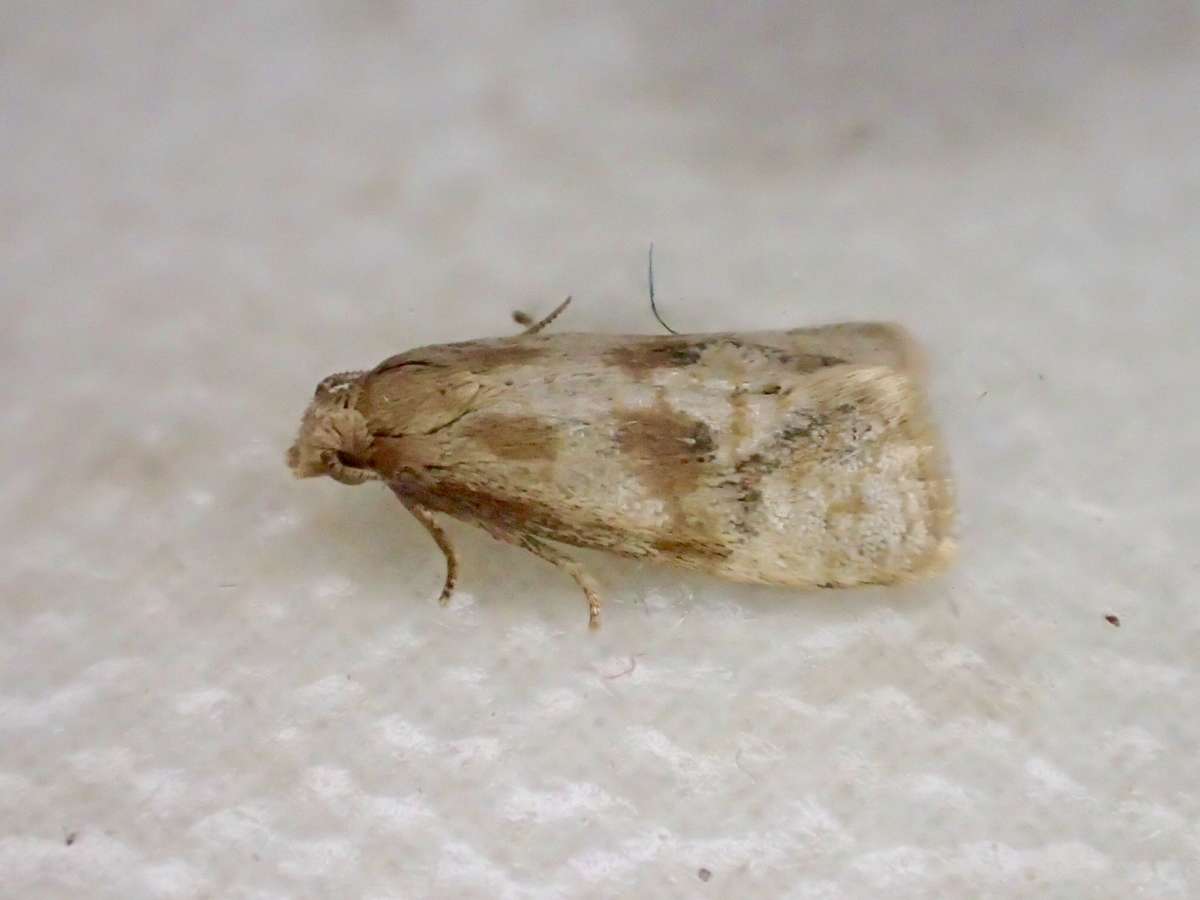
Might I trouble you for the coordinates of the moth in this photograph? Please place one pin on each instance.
(805, 458)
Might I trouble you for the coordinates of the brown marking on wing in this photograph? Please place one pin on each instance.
(665, 439)
(671, 453)
(515, 437)
(639, 357)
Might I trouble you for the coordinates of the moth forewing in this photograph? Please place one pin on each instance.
(804, 458)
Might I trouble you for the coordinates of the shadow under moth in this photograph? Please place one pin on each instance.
(804, 458)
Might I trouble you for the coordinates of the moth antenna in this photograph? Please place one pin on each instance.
(534, 327)
(653, 306)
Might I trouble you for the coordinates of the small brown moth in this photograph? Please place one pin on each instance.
(804, 458)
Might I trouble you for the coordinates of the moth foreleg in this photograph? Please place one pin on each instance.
(425, 517)
(534, 327)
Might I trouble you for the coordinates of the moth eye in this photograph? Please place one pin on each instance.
(349, 460)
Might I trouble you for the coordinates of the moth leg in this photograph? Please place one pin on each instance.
(425, 517)
(559, 560)
(534, 327)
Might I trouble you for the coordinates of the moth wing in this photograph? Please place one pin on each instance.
(857, 343)
(804, 457)
(849, 487)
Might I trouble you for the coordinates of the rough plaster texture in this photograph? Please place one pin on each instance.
(218, 682)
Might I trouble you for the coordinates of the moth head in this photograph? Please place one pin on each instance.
(333, 439)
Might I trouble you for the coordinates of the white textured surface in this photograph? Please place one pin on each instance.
(219, 682)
